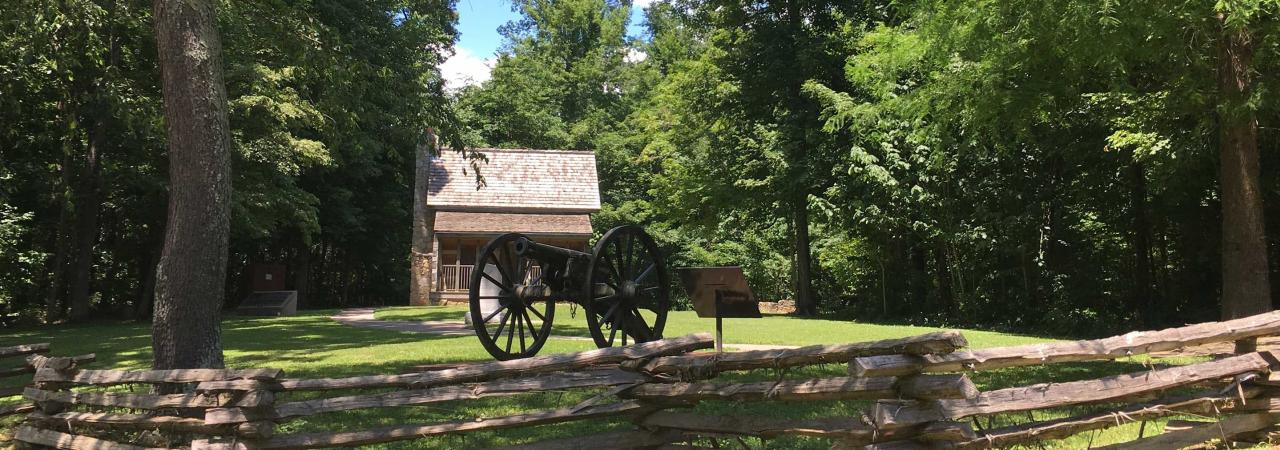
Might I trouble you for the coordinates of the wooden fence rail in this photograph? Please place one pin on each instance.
(35, 359)
(919, 386)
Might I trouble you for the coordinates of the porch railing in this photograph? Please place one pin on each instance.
(457, 278)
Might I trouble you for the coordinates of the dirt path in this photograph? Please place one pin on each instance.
(364, 318)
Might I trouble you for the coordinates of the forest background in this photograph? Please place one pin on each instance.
(1037, 165)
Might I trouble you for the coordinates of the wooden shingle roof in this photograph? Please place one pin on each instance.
(532, 224)
(516, 181)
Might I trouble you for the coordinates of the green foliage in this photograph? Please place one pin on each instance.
(327, 102)
(19, 265)
(997, 163)
(557, 83)
(1033, 164)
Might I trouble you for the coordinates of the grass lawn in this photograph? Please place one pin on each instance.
(771, 329)
(310, 345)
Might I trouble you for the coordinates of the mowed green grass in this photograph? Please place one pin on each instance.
(770, 329)
(311, 345)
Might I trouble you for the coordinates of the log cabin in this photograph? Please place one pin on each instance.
(546, 194)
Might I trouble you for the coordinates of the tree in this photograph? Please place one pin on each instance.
(765, 52)
(191, 276)
(557, 82)
(326, 101)
(1246, 288)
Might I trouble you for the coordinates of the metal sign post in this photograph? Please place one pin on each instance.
(720, 292)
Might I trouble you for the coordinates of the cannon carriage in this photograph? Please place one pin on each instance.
(621, 285)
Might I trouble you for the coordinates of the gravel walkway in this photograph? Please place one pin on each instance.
(363, 318)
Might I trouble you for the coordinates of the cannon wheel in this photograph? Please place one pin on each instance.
(627, 288)
(525, 320)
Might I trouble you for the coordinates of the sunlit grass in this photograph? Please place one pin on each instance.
(770, 329)
(311, 345)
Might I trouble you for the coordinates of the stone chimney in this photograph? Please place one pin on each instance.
(422, 255)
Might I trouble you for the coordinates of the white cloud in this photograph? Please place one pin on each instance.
(642, 3)
(465, 69)
(635, 55)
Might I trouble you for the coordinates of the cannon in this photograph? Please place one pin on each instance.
(621, 285)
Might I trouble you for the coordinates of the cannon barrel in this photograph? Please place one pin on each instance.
(556, 255)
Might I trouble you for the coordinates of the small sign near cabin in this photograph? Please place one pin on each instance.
(720, 292)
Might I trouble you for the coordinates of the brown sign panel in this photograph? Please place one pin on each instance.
(723, 286)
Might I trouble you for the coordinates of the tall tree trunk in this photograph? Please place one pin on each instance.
(805, 304)
(1246, 289)
(62, 234)
(86, 224)
(1143, 290)
(88, 205)
(190, 280)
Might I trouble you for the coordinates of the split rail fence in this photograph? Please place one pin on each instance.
(34, 358)
(920, 388)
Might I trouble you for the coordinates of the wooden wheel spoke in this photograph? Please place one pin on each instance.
(645, 274)
(541, 275)
(532, 331)
(612, 268)
(498, 263)
(494, 313)
(496, 282)
(640, 325)
(540, 316)
(622, 263)
(510, 335)
(501, 324)
(520, 324)
(610, 312)
(613, 332)
(621, 322)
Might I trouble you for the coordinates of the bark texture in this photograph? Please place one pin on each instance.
(805, 304)
(1246, 289)
(54, 306)
(87, 207)
(190, 279)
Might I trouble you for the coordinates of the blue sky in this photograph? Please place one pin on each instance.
(478, 22)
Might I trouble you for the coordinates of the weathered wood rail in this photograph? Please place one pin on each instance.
(921, 394)
(35, 360)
